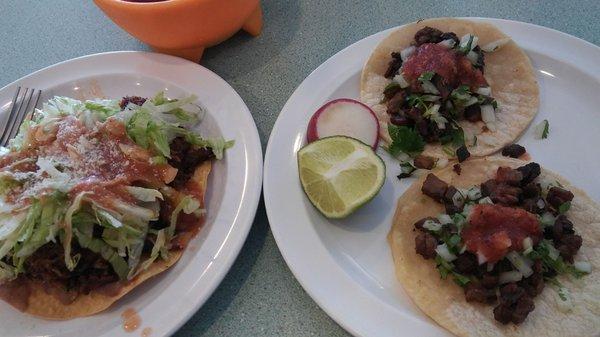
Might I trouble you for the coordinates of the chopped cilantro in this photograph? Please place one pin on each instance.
(453, 241)
(542, 252)
(427, 76)
(416, 101)
(542, 129)
(460, 279)
(443, 266)
(564, 207)
(405, 139)
(466, 48)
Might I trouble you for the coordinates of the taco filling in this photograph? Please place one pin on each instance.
(436, 82)
(504, 240)
(93, 193)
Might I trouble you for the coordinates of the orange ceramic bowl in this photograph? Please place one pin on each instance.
(184, 27)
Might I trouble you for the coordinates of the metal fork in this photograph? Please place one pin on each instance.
(22, 107)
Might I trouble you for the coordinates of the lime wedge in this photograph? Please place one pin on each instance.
(339, 174)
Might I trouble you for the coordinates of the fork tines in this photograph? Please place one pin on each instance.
(22, 107)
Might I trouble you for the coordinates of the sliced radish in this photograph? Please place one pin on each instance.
(344, 117)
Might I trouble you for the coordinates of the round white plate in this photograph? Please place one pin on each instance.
(346, 265)
(165, 302)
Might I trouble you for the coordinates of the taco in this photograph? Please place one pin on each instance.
(96, 197)
(503, 249)
(449, 88)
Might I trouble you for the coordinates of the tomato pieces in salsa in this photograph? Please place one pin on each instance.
(495, 230)
(453, 67)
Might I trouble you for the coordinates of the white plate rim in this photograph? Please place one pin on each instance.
(339, 310)
(250, 197)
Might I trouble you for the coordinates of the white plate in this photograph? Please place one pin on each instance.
(167, 301)
(346, 265)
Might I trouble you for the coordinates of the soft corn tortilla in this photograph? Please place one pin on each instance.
(47, 306)
(444, 301)
(507, 70)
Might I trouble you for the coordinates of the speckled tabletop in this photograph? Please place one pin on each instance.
(259, 296)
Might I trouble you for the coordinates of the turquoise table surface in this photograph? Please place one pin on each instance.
(260, 296)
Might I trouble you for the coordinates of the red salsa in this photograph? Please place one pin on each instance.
(453, 67)
(495, 230)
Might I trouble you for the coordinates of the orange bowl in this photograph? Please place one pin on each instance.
(184, 27)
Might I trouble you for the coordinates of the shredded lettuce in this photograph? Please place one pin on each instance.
(71, 261)
(188, 205)
(144, 194)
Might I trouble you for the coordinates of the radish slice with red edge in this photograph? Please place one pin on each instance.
(344, 117)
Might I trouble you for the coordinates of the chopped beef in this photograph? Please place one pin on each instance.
(186, 158)
(466, 263)
(419, 224)
(532, 205)
(475, 292)
(399, 119)
(509, 176)
(462, 153)
(434, 187)
(457, 168)
(530, 172)
(47, 265)
(391, 90)
(425, 245)
(137, 100)
(489, 280)
(561, 226)
(569, 246)
(428, 35)
(394, 105)
(424, 162)
(531, 190)
(448, 199)
(533, 285)
(450, 36)
(501, 193)
(394, 65)
(510, 293)
(558, 196)
(513, 151)
(473, 113)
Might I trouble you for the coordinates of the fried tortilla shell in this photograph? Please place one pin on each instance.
(45, 305)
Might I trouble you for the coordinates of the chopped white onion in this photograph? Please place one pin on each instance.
(540, 203)
(583, 266)
(401, 81)
(458, 199)
(467, 210)
(405, 53)
(472, 100)
(522, 263)
(487, 113)
(486, 91)
(444, 253)
(474, 193)
(486, 200)
(527, 245)
(429, 88)
(432, 225)
(430, 98)
(442, 162)
(449, 43)
(553, 253)
(491, 126)
(495, 45)
(472, 56)
(490, 267)
(547, 219)
(481, 259)
(444, 219)
(465, 40)
(509, 276)
(463, 249)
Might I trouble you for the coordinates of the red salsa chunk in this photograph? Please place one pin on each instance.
(453, 67)
(495, 230)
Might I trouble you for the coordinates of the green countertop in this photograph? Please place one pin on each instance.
(260, 296)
